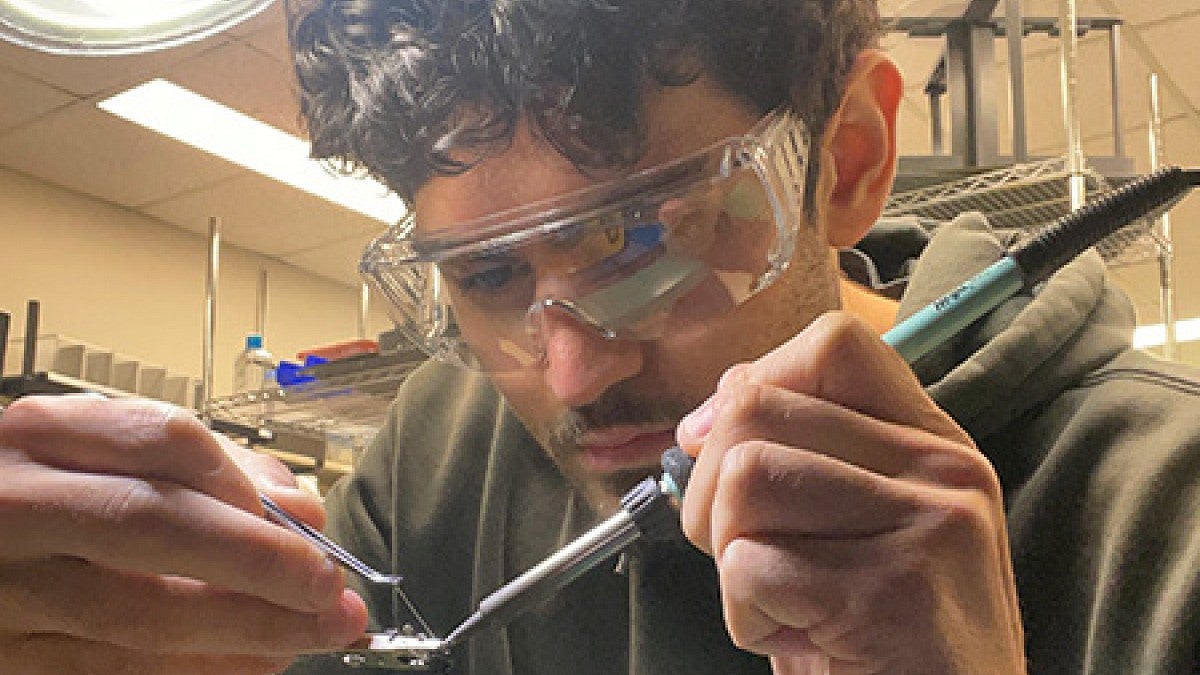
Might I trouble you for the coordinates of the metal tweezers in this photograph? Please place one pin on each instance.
(327, 545)
(344, 558)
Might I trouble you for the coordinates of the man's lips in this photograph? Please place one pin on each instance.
(626, 447)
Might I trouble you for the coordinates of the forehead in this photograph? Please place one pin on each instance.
(678, 121)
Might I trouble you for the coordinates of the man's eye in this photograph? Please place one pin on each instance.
(493, 278)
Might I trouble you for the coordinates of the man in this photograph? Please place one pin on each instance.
(630, 212)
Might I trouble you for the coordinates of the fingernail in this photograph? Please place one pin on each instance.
(86, 395)
(327, 584)
(346, 622)
(735, 373)
(696, 424)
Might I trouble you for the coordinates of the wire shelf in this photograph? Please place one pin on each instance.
(349, 397)
(1026, 197)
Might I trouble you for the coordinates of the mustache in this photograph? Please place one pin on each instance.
(616, 407)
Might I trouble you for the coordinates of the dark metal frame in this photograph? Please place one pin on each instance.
(965, 76)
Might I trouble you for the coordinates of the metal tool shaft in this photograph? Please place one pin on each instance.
(541, 581)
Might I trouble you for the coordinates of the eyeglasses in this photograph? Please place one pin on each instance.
(667, 248)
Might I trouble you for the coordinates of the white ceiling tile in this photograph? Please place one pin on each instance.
(922, 7)
(913, 134)
(88, 150)
(270, 38)
(1173, 44)
(87, 75)
(1044, 97)
(1041, 8)
(245, 79)
(273, 17)
(916, 57)
(1141, 12)
(1133, 12)
(263, 215)
(26, 99)
(336, 261)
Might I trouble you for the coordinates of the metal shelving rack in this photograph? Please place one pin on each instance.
(1024, 197)
(46, 378)
(350, 396)
(346, 401)
(1015, 191)
(966, 78)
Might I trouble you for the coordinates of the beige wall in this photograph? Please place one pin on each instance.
(120, 280)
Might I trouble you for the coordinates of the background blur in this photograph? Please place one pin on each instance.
(105, 221)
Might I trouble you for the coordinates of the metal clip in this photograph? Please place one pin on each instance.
(398, 650)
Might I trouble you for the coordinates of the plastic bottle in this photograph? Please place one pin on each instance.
(254, 367)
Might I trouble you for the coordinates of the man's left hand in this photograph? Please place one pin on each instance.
(850, 518)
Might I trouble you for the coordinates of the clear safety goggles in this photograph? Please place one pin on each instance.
(665, 249)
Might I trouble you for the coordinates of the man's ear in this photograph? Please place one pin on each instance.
(860, 144)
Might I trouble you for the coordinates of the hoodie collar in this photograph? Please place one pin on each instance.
(1031, 347)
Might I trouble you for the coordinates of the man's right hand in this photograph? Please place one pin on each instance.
(132, 541)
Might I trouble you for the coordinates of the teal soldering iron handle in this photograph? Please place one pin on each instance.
(934, 323)
(1036, 258)
(912, 338)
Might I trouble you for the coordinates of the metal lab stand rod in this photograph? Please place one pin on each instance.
(1015, 33)
(1166, 252)
(1114, 61)
(1068, 21)
(364, 309)
(210, 314)
(260, 306)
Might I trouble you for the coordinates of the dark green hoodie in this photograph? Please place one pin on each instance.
(1097, 447)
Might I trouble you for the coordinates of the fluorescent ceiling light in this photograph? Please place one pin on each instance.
(108, 14)
(108, 27)
(204, 124)
(1187, 330)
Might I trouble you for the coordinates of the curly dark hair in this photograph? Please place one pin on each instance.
(406, 89)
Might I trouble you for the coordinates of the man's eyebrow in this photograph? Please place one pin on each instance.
(655, 180)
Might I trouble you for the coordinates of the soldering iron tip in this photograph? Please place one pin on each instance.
(465, 627)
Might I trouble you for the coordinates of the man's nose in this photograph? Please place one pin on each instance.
(580, 361)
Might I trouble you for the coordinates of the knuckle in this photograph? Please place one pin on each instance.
(127, 503)
(841, 335)
(982, 474)
(749, 477)
(741, 471)
(181, 429)
(739, 569)
(963, 518)
(967, 469)
(740, 636)
(750, 409)
(264, 466)
(270, 559)
(737, 561)
(146, 419)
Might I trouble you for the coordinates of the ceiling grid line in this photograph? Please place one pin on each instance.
(1133, 36)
